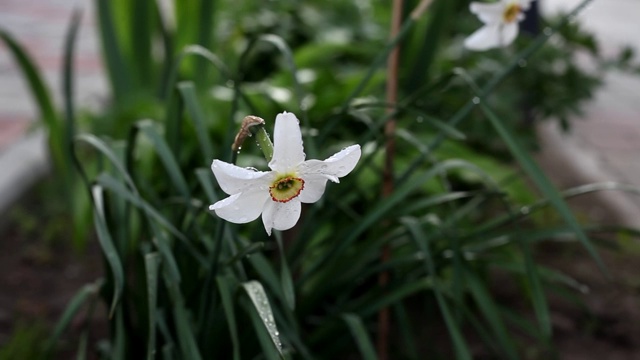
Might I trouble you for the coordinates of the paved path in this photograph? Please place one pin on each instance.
(40, 26)
(604, 144)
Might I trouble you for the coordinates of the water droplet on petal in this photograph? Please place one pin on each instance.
(475, 100)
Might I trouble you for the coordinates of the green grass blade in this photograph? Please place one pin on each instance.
(440, 16)
(152, 263)
(359, 333)
(79, 203)
(193, 50)
(205, 25)
(285, 275)
(188, 92)
(261, 304)
(67, 85)
(117, 67)
(542, 182)
(184, 328)
(41, 95)
(226, 290)
(489, 309)
(167, 157)
(406, 332)
(141, 22)
(108, 248)
(205, 176)
(421, 240)
(118, 347)
(81, 354)
(74, 305)
(103, 148)
(538, 297)
(267, 273)
(112, 184)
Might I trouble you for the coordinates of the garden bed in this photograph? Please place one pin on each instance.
(40, 274)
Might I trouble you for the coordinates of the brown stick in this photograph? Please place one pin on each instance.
(388, 181)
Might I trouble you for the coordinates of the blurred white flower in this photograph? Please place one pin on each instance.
(278, 194)
(500, 23)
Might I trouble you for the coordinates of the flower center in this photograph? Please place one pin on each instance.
(286, 188)
(511, 13)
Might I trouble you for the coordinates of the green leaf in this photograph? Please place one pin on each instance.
(81, 354)
(205, 25)
(119, 74)
(41, 95)
(489, 309)
(74, 305)
(285, 275)
(261, 304)
(359, 333)
(106, 243)
(141, 22)
(226, 290)
(421, 240)
(184, 329)
(166, 156)
(152, 263)
(118, 348)
(188, 92)
(542, 182)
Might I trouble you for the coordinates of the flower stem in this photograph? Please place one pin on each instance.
(388, 176)
(253, 125)
(263, 141)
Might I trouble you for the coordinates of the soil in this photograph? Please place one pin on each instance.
(38, 278)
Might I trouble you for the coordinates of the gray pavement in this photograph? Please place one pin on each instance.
(40, 26)
(604, 144)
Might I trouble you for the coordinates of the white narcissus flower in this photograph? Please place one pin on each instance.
(278, 194)
(500, 23)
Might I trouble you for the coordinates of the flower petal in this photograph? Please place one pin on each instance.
(491, 36)
(509, 33)
(241, 208)
(525, 4)
(281, 216)
(234, 179)
(287, 143)
(334, 167)
(314, 186)
(488, 13)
